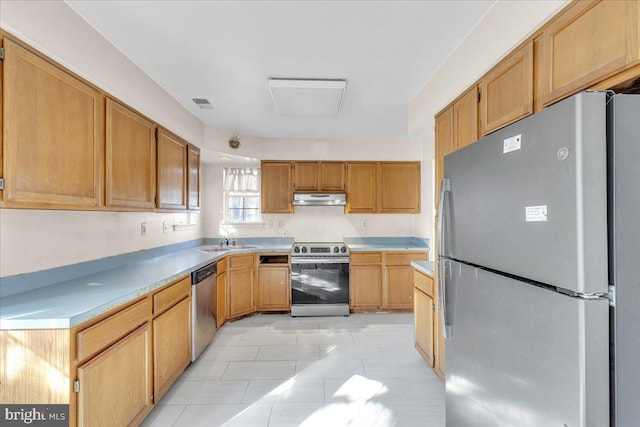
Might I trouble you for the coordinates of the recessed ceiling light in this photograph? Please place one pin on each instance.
(203, 103)
(307, 97)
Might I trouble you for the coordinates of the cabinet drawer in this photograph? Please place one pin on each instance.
(104, 333)
(405, 258)
(241, 261)
(166, 298)
(366, 258)
(423, 282)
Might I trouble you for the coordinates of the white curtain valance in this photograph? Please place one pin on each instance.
(242, 179)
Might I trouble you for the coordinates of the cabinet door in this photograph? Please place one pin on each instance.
(53, 134)
(222, 303)
(362, 179)
(274, 288)
(172, 171)
(444, 146)
(365, 286)
(130, 158)
(115, 386)
(277, 188)
(507, 90)
(171, 346)
(305, 176)
(193, 178)
(399, 187)
(241, 300)
(400, 286)
(332, 176)
(423, 318)
(439, 340)
(587, 43)
(465, 119)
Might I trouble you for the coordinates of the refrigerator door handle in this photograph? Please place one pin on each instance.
(445, 187)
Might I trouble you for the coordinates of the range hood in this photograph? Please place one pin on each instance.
(319, 199)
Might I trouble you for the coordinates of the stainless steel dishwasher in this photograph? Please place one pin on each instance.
(203, 308)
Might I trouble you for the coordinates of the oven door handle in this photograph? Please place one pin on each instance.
(340, 260)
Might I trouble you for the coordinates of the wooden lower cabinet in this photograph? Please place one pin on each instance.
(439, 342)
(424, 309)
(382, 280)
(399, 286)
(222, 293)
(115, 386)
(241, 286)
(366, 287)
(398, 289)
(171, 346)
(274, 288)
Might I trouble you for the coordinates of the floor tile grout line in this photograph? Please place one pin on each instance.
(179, 415)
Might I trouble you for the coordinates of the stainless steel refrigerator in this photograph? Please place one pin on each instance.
(539, 257)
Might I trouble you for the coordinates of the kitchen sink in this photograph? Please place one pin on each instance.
(224, 248)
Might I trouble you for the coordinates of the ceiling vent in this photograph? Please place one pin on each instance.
(307, 97)
(203, 103)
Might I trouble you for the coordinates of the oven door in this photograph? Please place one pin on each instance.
(320, 280)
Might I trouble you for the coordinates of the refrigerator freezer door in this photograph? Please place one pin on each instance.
(523, 356)
(530, 199)
(624, 111)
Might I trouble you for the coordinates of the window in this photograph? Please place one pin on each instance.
(241, 195)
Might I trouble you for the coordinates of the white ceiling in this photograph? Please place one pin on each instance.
(226, 51)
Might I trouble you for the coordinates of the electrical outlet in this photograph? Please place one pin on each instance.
(143, 229)
(280, 223)
(165, 227)
(364, 223)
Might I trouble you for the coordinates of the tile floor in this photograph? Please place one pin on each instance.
(274, 370)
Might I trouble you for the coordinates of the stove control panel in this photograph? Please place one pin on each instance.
(320, 249)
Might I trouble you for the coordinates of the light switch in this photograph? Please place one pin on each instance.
(143, 229)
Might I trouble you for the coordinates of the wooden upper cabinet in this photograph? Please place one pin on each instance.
(305, 176)
(444, 145)
(507, 90)
(277, 188)
(332, 176)
(130, 158)
(172, 171)
(362, 179)
(399, 184)
(53, 134)
(193, 178)
(465, 119)
(318, 176)
(588, 42)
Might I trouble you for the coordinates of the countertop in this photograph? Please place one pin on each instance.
(386, 244)
(69, 303)
(426, 267)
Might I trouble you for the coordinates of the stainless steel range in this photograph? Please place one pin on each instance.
(319, 279)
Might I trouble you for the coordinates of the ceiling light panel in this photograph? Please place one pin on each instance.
(307, 98)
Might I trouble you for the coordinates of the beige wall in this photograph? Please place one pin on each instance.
(323, 223)
(32, 240)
